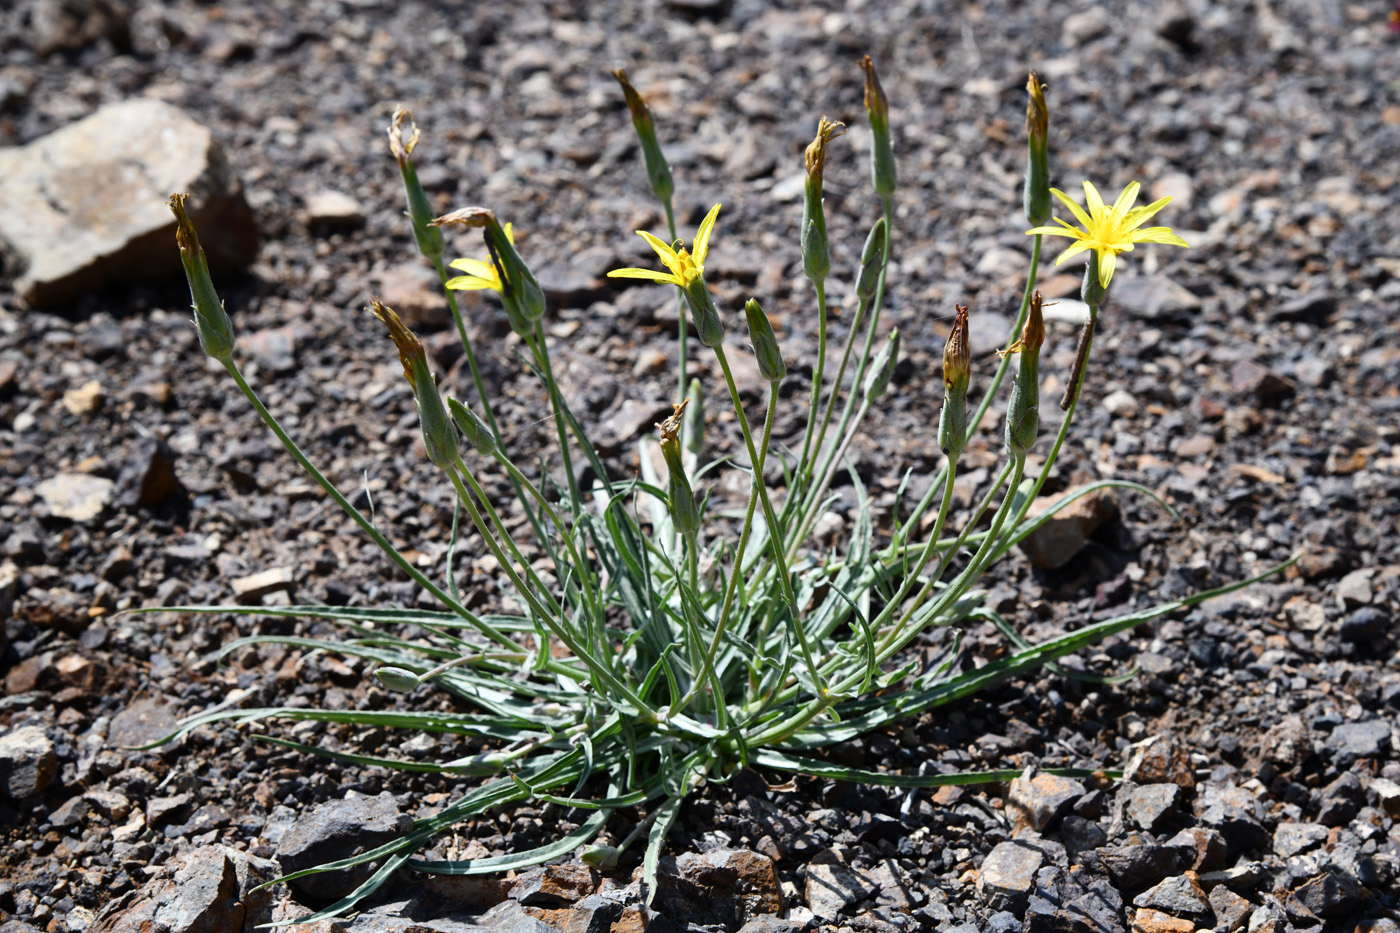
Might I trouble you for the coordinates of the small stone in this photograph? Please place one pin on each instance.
(1387, 793)
(832, 886)
(1292, 839)
(1120, 403)
(147, 478)
(1231, 911)
(1082, 28)
(1159, 760)
(1141, 865)
(252, 588)
(78, 497)
(1008, 874)
(1260, 383)
(83, 400)
(335, 830)
(144, 721)
(1146, 920)
(593, 914)
(1340, 800)
(1180, 896)
(28, 763)
(73, 25)
(1354, 589)
(85, 205)
(627, 422)
(1035, 800)
(1313, 308)
(273, 349)
(1208, 846)
(1353, 740)
(1195, 446)
(1064, 534)
(333, 209)
(1236, 814)
(555, 885)
(415, 292)
(1329, 895)
(211, 889)
(1242, 877)
(1155, 298)
(1151, 804)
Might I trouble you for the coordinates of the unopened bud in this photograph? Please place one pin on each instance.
(420, 212)
(703, 312)
(882, 369)
(765, 343)
(658, 172)
(1037, 194)
(439, 436)
(877, 108)
(1023, 409)
(215, 329)
(816, 251)
(397, 679)
(957, 368)
(476, 431)
(872, 261)
(685, 514)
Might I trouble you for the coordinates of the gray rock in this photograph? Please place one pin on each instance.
(28, 763)
(1160, 759)
(728, 887)
(513, 917)
(1231, 911)
(1150, 805)
(1314, 308)
(1208, 846)
(1354, 589)
(208, 891)
(335, 830)
(555, 885)
(1235, 814)
(1035, 800)
(1245, 876)
(832, 886)
(1339, 801)
(85, 205)
(1329, 896)
(1073, 901)
(1260, 383)
(1155, 298)
(593, 914)
(1387, 793)
(1292, 839)
(1008, 875)
(1141, 865)
(148, 477)
(333, 209)
(1353, 740)
(73, 25)
(1065, 533)
(1180, 896)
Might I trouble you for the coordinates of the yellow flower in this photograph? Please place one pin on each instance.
(1109, 231)
(479, 273)
(685, 267)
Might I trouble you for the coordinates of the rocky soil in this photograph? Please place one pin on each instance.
(1252, 381)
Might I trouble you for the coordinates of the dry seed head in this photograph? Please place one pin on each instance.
(185, 237)
(827, 130)
(670, 429)
(957, 354)
(402, 149)
(635, 104)
(875, 101)
(410, 349)
(1037, 113)
(465, 217)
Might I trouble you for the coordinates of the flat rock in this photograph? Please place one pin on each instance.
(1065, 533)
(1160, 759)
(28, 763)
(1147, 920)
(210, 889)
(255, 586)
(833, 886)
(335, 830)
(1292, 839)
(85, 205)
(1353, 740)
(1181, 896)
(1155, 298)
(1008, 874)
(555, 885)
(1149, 805)
(1140, 865)
(333, 209)
(78, 497)
(1035, 800)
(1231, 911)
(1073, 901)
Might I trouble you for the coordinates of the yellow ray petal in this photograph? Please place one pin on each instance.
(649, 274)
(482, 270)
(668, 255)
(1074, 208)
(467, 283)
(702, 236)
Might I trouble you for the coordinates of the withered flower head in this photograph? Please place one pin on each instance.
(957, 354)
(827, 130)
(635, 104)
(410, 349)
(670, 429)
(1037, 113)
(875, 102)
(402, 149)
(465, 217)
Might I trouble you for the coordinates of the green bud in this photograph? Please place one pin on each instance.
(215, 329)
(872, 261)
(957, 370)
(1037, 194)
(476, 431)
(397, 679)
(685, 514)
(765, 344)
(658, 172)
(1023, 410)
(694, 427)
(816, 252)
(439, 436)
(883, 368)
(420, 212)
(703, 312)
(877, 108)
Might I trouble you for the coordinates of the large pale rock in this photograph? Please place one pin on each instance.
(1065, 533)
(209, 890)
(85, 205)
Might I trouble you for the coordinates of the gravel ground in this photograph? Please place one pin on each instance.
(1251, 381)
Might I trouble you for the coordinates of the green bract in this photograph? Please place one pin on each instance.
(654, 643)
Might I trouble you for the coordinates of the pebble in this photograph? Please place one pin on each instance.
(78, 497)
(1181, 896)
(1329, 895)
(28, 763)
(1065, 533)
(1147, 920)
(254, 587)
(1354, 740)
(1159, 759)
(1230, 909)
(273, 349)
(832, 886)
(1292, 839)
(1008, 874)
(1387, 794)
(83, 400)
(1140, 865)
(1120, 403)
(209, 889)
(1340, 800)
(1073, 901)
(555, 885)
(1150, 805)
(1155, 298)
(85, 205)
(147, 477)
(1036, 800)
(1354, 589)
(338, 829)
(333, 209)
(1263, 385)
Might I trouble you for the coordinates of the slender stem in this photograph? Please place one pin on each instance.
(817, 373)
(541, 352)
(365, 524)
(682, 328)
(840, 374)
(457, 319)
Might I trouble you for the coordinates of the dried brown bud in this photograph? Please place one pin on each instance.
(875, 102)
(401, 149)
(957, 353)
(465, 217)
(635, 104)
(827, 130)
(410, 349)
(1037, 113)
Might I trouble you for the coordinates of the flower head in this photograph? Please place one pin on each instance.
(480, 273)
(1108, 231)
(685, 267)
